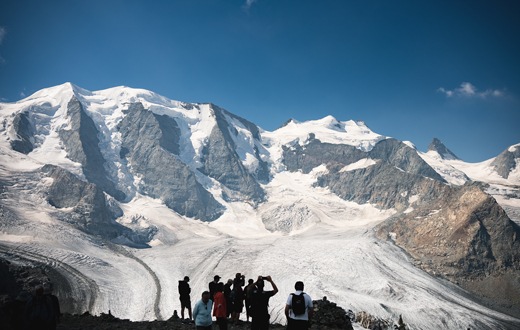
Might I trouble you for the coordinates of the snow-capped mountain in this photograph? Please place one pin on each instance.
(90, 179)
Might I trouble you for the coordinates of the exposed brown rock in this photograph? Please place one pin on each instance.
(466, 237)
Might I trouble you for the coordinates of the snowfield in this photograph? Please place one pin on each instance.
(332, 249)
(300, 232)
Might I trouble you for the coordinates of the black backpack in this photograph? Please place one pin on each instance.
(298, 304)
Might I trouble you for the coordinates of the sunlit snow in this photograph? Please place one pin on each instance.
(300, 232)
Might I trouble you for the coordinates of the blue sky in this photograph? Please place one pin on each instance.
(413, 70)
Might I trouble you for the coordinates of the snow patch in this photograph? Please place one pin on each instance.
(362, 163)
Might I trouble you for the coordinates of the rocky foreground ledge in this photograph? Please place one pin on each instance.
(327, 316)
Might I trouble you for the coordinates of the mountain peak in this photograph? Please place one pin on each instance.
(445, 153)
(507, 161)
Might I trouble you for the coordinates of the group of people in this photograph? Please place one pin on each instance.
(227, 301)
(37, 311)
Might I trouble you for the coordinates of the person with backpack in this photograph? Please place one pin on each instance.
(298, 309)
(184, 296)
(260, 303)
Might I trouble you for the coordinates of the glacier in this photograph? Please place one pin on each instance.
(300, 231)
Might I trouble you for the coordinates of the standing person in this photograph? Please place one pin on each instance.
(260, 303)
(47, 291)
(219, 307)
(227, 294)
(202, 312)
(213, 286)
(39, 311)
(184, 296)
(298, 309)
(237, 296)
(247, 292)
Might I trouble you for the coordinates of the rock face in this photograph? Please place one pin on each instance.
(316, 153)
(395, 175)
(197, 157)
(90, 210)
(150, 143)
(440, 148)
(465, 236)
(82, 144)
(457, 232)
(381, 184)
(327, 315)
(220, 161)
(67, 191)
(24, 133)
(507, 161)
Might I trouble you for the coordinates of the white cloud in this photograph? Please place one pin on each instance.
(467, 89)
(248, 4)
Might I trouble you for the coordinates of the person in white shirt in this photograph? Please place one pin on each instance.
(298, 309)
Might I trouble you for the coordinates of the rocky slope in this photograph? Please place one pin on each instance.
(466, 237)
(83, 157)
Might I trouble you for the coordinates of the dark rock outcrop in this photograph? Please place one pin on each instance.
(382, 185)
(315, 153)
(506, 161)
(89, 209)
(403, 157)
(465, 236)
(221, 162)
(398, 172)
(150, 145)
(328, 315)
(24, 133)
(445, 153)
(82, 145)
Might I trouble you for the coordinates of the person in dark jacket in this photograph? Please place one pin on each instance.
(227, 294)
(184, 296)
(260, 303)
(40, 311)
(213, 286)
(247, 292)
(237, 296)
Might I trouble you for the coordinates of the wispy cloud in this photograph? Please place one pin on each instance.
(248, 4)
(3, 33)
(467, 89)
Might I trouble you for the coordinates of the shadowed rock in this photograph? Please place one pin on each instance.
(506, 162)
(221, 161)
(82, 145)
(24, 133)
(445, 153)
(150, 144)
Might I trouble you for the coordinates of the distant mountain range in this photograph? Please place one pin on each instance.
(88, 154)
